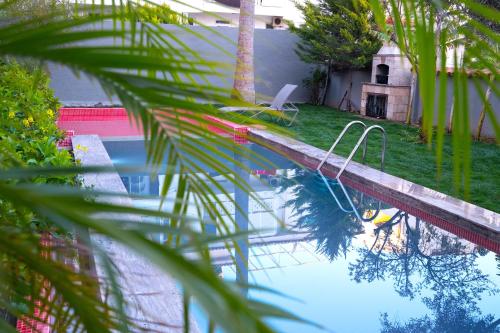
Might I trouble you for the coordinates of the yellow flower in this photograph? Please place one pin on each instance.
(26, 122)
(50, 113)
(82, 148)
(30, 119)
(12, 114)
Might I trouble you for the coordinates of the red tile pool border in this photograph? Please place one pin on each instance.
(39, 323)
(114, 122)
(105, 122)
(74, 114)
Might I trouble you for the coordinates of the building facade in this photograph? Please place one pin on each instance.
(269, 14)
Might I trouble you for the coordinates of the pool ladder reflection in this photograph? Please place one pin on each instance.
(353, 208)
(361, 141)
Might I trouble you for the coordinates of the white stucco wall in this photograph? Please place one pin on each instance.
(210, 19)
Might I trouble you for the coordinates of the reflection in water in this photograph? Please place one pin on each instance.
(449, 314)
(427, 258)
(421, 256)
(414, 259)
(415, 255)
(326, 218)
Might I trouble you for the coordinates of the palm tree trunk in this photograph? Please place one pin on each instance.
(244, 86)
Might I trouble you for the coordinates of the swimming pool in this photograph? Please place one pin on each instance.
(394, 273)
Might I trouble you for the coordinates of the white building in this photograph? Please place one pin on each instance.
(270, 14)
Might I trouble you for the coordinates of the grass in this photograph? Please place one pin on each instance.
(406, 156)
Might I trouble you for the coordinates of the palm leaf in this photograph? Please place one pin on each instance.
(162, 84)
(430, 29)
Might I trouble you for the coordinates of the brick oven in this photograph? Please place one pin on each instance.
(388, 94)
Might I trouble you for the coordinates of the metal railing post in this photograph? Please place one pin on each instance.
(356, 147)
(341, 135)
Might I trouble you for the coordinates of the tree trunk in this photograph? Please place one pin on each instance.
(349, 106)
(244, 85)
(483, 111)
(327, 84)
(8, 317)
(450, 120)
(413, 86)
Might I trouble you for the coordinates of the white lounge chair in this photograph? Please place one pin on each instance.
(279, 104)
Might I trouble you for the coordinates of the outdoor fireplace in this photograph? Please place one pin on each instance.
(388, 93)
(382, 76)
(376, 106)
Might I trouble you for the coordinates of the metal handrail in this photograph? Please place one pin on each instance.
(361, 139)
(341, 135)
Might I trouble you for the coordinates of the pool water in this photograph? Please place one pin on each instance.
(353, 263)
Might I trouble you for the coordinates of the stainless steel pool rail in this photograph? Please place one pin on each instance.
(341, 135)
(362, 139)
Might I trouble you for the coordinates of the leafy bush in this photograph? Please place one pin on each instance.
(316, 82)
(28, 133)
(159, 14)
(28, 110)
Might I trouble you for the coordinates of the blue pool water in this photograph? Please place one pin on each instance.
(395, 273)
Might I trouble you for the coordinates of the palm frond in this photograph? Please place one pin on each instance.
(164, 86)
(429, 33)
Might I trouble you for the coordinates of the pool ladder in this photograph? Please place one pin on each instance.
(361, 140)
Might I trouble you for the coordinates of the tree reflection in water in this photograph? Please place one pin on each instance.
(317, 212)
(414, 254)
(426, 257)
(450, 314)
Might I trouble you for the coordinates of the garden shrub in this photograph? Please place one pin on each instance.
(28, 132)
(28, 111)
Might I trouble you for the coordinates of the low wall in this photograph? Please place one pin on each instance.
(475, 106)
(339, 84)
(276, 64)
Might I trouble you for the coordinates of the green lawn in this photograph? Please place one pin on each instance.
(405, 156)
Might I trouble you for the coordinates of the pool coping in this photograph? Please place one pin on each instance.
(472, 222)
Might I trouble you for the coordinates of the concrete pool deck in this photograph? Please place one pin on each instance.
(466, 220)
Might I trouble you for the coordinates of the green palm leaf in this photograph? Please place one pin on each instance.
(429, 32)
(162, 84)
